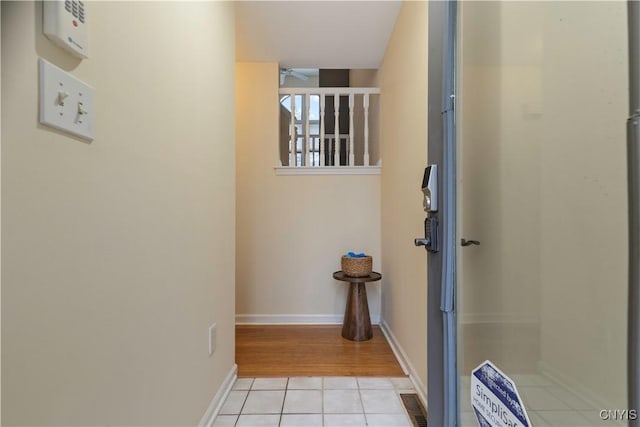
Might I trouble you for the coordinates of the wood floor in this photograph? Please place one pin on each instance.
(311, 350)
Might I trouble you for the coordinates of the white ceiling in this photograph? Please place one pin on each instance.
(315, 34)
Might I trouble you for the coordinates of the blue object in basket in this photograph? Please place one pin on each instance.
(355, 255)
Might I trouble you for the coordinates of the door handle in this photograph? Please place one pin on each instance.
(430, 240)
(422, 242)
(465, 242)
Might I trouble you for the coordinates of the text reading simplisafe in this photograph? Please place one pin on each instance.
(495, 399)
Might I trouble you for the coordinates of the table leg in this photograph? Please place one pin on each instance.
(357, 323)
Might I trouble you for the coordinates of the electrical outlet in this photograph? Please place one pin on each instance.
(212, 339)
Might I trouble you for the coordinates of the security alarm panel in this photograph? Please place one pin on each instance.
(65, 24)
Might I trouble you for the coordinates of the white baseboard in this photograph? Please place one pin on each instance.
(294, 319)
(557, 376)
(218, 400)
(406, 365)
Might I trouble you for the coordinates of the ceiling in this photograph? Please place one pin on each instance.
(315, 34)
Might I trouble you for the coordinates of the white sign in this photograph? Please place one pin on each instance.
(495, 400)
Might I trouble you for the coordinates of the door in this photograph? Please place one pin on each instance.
(441, 220)
(542, 102)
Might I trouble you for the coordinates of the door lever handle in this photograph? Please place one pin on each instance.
(465, 242)
(421, 242)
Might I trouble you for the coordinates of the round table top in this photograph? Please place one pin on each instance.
(372, 277)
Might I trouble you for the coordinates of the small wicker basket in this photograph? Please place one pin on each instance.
(357, 267)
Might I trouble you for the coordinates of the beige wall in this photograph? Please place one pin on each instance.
(118, 254)
(403, 135)
(292, 230)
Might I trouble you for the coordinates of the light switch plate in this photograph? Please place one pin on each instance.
(66, 103)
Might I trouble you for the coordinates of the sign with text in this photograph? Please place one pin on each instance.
(495, 399)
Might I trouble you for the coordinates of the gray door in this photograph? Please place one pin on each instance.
(441, 324)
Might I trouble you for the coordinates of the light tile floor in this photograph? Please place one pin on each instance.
(547, 404)
(316, 401)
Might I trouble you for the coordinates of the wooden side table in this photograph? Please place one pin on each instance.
(357, 323)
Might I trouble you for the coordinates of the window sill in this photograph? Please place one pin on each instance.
(328, 170)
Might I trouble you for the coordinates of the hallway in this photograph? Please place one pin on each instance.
(129, 258)
(122, 289)
(308, 375)
(292, 229)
